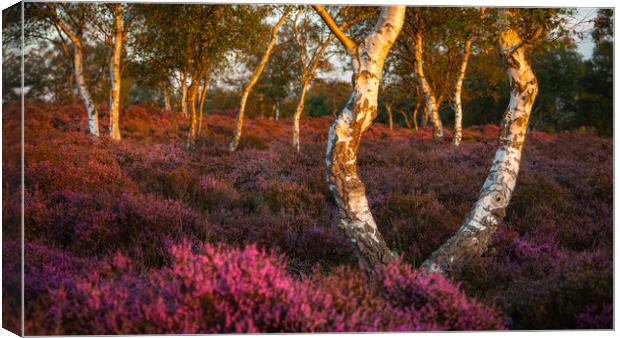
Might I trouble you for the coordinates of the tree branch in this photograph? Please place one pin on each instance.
(348, 43)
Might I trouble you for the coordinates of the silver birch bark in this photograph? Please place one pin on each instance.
(475, 233)
(115, 94)
(368, 57)
(458, 107)
(432, 110)
(91, 110)
(234, 143)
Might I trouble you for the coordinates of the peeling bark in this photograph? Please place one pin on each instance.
(432, 108)
(115, 92)
(234, 143)
(475, 233)
(458, 107)
(345, 133)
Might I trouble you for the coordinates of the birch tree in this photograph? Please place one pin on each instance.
(310, 63)
(458, 105)
(368, 57)
(115, 72)
(59, 18)
(234, 143)
(475, 233)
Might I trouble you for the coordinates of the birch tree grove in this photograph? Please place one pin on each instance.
(368, 57)
(475, 233)
(115, 73)
(234, 143)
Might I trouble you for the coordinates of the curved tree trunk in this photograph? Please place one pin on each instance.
(115, 95)
(405, 118)
(298, 111)
(475, 233)
(432, 109)
(203, 97)
(346, 131)
(234, 143)
(91, 109)
(458, 107)
(415, 113)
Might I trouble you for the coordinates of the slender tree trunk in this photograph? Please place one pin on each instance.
(415, 113)
(193, 129)
(458, 107)
(277, 111)
(346, 131)
(167, 106)
(431, 103)
(475, 233)
(183, 75)
(405, 118)
(234, 143)
(203, 97)
(115, 131)
(91, 110)
(297, 116)
(388, 108)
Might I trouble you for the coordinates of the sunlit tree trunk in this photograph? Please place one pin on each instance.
(234, 143)
(475, 233)
(431, 103)
(458, 107)
(346, 131)
(167, 106)
(388, 108)
(297, 116)
(193, 129)
(183, 76)
(115, 131)
(416, 109)
(405, 118)
(276, 109)
(203, 97)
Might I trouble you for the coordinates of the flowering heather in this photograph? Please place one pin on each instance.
(144, 236)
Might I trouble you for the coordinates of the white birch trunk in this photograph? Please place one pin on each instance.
(115, 95)
(458, 106)
(234, 143)
(345, 134)
(193, 92)
(277, 112)
(91, 110)
(432, 110)
(475, 233)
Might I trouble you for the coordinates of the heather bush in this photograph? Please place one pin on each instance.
(91, 199)
(214, 289)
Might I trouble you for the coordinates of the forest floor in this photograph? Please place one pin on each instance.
(112, 227)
